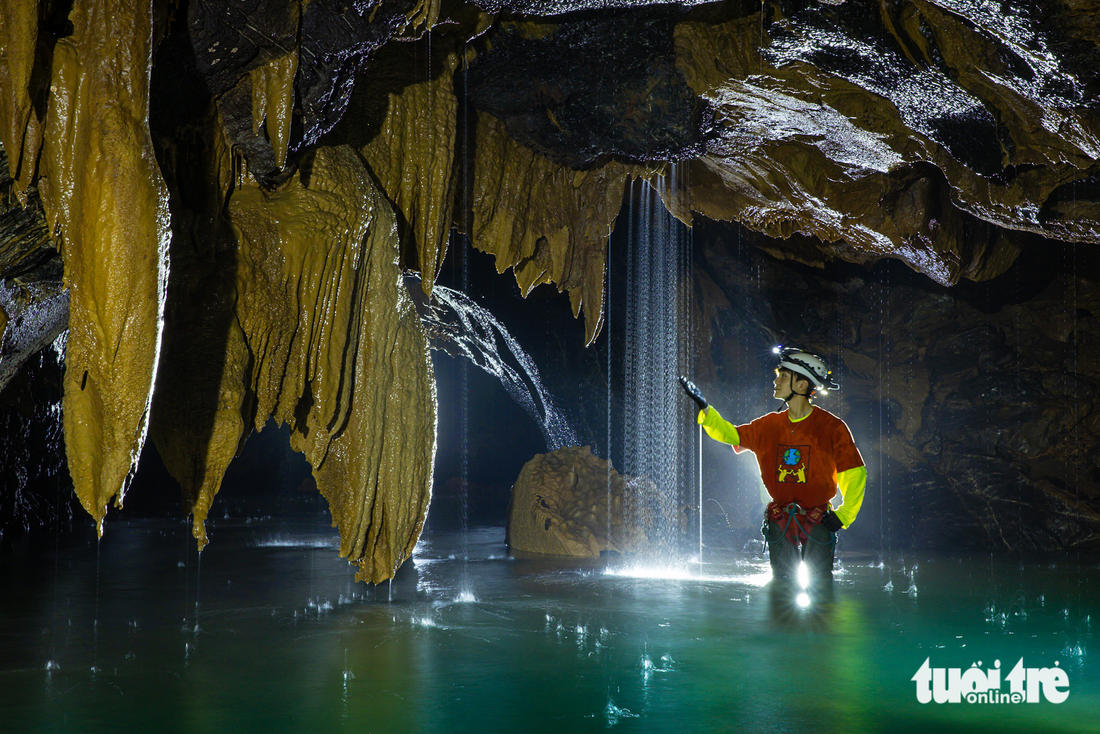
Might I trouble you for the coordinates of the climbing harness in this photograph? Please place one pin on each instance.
(799, 534)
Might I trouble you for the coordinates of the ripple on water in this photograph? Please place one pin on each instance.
(291, 541)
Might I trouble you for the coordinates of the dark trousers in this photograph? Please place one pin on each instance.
(818, 551)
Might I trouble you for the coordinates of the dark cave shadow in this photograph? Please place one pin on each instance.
(199, 312)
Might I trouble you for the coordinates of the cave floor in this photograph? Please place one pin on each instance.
(270, 633)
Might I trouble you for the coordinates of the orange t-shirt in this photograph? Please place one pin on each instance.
(799, 462)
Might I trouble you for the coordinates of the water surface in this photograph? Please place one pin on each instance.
(270, 633)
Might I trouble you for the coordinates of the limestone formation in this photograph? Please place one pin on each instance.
(803, 149)
(325, 339)
(339, 352)
(573, 92)
(25, 242)
(547, 222)
(101, 189)
(560, 506)
(272, 101)
(33, 314)
(34, 308)
(410, 147)
(19, 132)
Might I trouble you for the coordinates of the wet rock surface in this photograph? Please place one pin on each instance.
(319, 323)
(933, 132)
(576, 93)
(571, 503)
(34, 306)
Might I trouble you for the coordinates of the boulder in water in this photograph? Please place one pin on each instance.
(570, 502)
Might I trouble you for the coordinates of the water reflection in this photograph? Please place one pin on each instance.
(283, 639)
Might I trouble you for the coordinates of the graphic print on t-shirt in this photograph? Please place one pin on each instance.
(792, 464)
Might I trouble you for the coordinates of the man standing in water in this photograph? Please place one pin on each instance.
(804, 453)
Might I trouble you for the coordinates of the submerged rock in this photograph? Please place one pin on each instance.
(572, 503)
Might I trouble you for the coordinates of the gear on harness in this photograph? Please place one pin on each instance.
(798, 531)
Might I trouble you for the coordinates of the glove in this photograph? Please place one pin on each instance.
(831, 522)
(693, 392)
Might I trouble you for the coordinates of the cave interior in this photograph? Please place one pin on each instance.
(220, 221)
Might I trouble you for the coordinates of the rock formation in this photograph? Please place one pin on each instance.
(571, 503)
(264, 170)
(92, 157)
(321, 336)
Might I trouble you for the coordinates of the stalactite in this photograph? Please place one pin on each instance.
(547, 222)
(424, 14)
(198, 421)
(411, 151)
(20, 129)
(287, 303)
(339, 352)
(100, 186)
(325, 339)
(273, 101)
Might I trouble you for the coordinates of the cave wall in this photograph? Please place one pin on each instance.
(232, 209)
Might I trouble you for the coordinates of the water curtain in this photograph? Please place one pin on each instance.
(657, 437)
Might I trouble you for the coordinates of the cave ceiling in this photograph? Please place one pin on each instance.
(177, 173)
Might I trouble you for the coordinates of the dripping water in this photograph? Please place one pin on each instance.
(198, 587)
(464, 449)
(464, 580)
(95, 617)
(460, 327)
(656, 426)
(607, 338)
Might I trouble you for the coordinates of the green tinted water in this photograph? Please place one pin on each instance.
(271, 634)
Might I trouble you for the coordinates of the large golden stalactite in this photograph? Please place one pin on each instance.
(411, 152)
(18, 40)
(403, 120)
(101, 188)
(323, 338)
(547, 222)
(199, 416)
(273, 100)
(338, 351)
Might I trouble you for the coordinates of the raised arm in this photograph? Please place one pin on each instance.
(712, 422)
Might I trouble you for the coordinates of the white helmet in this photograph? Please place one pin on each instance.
(810, 366)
